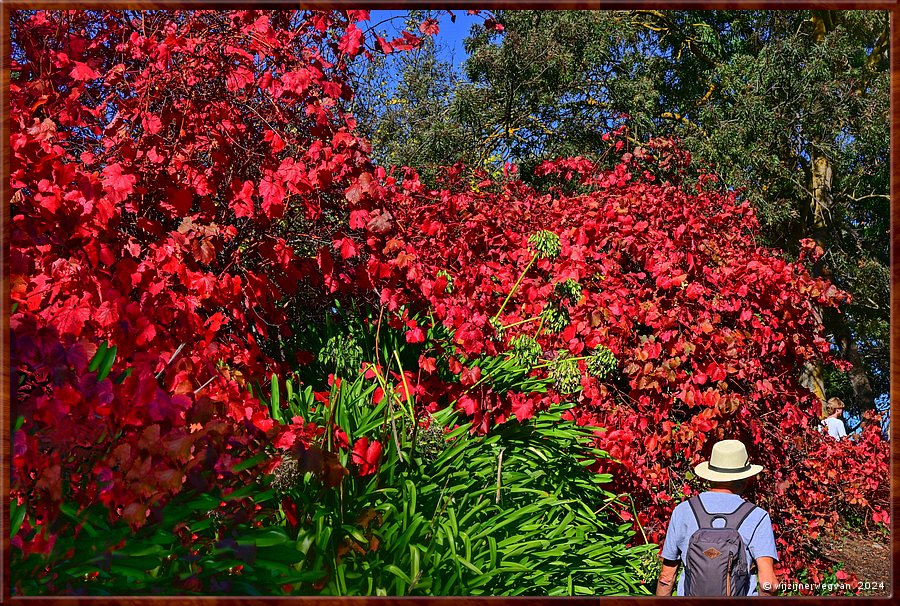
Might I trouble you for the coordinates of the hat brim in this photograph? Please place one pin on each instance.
(702, 470)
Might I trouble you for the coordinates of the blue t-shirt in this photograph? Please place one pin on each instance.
(756, 531)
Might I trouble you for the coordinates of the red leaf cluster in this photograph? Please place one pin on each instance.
(709, 329)
(160, 162)
(366, 456)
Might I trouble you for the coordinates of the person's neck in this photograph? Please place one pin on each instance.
(725, 490)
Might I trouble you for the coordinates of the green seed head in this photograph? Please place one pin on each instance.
(602, 362)
(498, 326)
(287, 474)
(555, 318)
(546, 244)
(430, 441)
(570, 291)
(564, 371)
(525, 350)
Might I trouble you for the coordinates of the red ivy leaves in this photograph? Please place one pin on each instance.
(82, 71)
(429, 27)
(150, 225)
(707, 328)
(351, 41)
(118, 185)
(366, 455)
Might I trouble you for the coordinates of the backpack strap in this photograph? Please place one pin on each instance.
(705, 519)
(740, 514)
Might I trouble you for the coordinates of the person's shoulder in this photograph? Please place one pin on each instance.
(686, 503)
(761, 512)
(681, 509)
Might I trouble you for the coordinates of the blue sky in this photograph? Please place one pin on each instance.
(449, 40)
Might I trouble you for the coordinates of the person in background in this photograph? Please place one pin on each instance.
(702, 529)
(833, 423)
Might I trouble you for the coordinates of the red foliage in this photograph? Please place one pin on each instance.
(709, 329)
(163, 163)
(166, 167)
(366, 456)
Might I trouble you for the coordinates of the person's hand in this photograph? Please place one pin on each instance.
(767, 581)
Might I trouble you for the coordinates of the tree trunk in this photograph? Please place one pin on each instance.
(819, 220)
(863, 393)
(812, 375)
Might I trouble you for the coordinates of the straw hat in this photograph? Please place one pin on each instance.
(729, 461)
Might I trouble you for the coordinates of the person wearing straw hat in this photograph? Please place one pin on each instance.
(720, 514)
